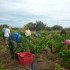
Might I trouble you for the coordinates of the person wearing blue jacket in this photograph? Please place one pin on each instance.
(14, 39)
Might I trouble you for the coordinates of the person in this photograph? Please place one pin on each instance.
(63, 32)
(67, 42)
(3, 31)
(14, 42)
(6, 33)
(38, 34)
(28, 34)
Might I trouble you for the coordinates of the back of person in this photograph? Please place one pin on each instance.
(15, 37)
(63, 32)
(14, 40)
(28, 32)
(6, 32)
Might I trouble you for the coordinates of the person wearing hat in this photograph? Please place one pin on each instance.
(67, 42)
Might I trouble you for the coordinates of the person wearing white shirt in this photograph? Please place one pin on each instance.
(28, 34)
(6, 33)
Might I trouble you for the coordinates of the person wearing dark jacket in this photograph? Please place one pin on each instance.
(63, 32)
(14, 39)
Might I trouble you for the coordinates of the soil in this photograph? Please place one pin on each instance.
(47, 63)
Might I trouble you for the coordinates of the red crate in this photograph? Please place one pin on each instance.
(25, 58)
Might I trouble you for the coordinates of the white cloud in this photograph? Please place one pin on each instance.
(55, 10)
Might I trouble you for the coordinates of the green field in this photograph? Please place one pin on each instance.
(49, 44)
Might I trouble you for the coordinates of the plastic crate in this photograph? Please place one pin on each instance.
(26, 58)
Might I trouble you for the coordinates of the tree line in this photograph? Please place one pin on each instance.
(37, 26)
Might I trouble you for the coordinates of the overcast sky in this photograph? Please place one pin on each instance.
(19, 12)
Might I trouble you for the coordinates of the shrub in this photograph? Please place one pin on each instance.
(2, 67)
(65, 54)
(58, 67)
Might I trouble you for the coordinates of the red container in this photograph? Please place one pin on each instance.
(25, 58)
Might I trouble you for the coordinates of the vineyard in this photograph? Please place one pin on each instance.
(50, 51)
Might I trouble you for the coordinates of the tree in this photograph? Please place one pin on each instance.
(57, 27)
(30, 25)
(48, 28)
(68, 29)
(40, 26)
(5, 25)
(2, 26)
(35, 26)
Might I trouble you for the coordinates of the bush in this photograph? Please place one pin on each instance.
(65, 54)
(58, 67)
(2, 67)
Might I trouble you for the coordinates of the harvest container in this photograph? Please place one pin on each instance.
(26, 58)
